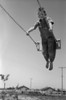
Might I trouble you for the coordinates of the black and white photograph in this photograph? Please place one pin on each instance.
(32, 49)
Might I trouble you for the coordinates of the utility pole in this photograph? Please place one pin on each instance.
(62, 78)
(30, 83)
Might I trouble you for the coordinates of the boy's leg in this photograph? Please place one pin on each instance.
(51, 65)
(45, 52)
(51, 51)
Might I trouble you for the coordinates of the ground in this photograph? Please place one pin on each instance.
(25, 97)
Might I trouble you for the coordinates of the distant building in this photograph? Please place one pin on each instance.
(48, 90)
(23, 88)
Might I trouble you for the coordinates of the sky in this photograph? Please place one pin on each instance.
(18, 54)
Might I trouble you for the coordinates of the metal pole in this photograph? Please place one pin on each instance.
(62, 78)
(4, 85)
(30, 83)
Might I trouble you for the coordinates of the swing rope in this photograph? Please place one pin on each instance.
(17, 24)
(39, 3)
(36, 43)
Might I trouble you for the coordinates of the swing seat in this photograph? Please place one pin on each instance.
(38, 46)
(58, 44)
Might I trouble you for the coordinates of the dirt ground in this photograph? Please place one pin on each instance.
(23, 97)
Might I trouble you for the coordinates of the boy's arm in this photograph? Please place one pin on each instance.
(33, 28)
(50, 22)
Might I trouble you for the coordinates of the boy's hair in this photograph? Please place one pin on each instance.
(41, 13)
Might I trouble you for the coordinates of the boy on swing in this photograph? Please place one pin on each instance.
(45, 26)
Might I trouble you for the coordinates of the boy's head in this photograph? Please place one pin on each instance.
(41, 13)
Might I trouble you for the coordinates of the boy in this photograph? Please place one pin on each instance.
(45, 25)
